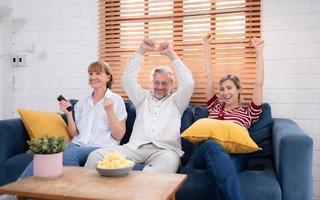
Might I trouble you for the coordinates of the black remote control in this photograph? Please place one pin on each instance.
(60, 98)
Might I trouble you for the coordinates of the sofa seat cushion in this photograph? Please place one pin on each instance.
(197, 188)
(15, 165)
(256, 184)
(260, 184)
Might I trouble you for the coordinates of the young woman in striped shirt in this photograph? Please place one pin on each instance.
(226, 105)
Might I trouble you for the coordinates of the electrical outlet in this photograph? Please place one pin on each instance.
(18, 60)
(21, 60)
(14, 61)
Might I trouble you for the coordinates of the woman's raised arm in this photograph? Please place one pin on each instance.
(210, 88)
(257, 96)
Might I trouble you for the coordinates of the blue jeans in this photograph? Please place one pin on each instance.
(221, 170)
(73, 155)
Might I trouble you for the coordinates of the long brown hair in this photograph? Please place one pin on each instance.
(100, 66)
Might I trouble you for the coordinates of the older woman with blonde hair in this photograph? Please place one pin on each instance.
(99, 119)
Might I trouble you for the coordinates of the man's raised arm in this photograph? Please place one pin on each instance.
(186, 82)
(129, 78)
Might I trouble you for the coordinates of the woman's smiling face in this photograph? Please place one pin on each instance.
(229, 93)
(98, 80)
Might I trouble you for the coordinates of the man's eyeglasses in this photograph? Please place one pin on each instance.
(158, 83)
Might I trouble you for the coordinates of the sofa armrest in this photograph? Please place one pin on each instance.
(13, 141)
(293, 159)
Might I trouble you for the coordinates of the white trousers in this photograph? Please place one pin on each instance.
(154, 158)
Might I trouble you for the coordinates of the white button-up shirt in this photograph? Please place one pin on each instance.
(92, 121)
(157, 121)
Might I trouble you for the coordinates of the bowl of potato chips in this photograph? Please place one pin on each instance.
(114, 164)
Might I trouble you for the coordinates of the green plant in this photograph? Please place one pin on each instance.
(46, 145)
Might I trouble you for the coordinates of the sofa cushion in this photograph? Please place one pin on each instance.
(40, 123)
(187, 147)
(260, 184)
(231, 136)
(200, 112)
(131, 110)
(186, 119)
(13, 137)
(15, 165)
(256, 184)
(265, 119)
(261, 132)
(197, 187)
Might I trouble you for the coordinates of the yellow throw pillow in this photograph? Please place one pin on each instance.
(231, 136)
(39, 124)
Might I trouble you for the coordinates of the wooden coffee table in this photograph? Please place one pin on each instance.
(83, 183)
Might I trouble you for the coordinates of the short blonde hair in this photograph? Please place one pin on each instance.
(100, 66)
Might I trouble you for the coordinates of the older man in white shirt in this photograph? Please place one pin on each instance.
(155, 139)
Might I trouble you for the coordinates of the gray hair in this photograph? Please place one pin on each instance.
(162, 69)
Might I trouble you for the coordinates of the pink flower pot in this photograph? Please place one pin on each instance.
(47, 166)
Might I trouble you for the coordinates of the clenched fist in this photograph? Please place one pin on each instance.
(165, 48)
(257, 43)
(63, 105)
(146, 45)
(207, 38)
(107, 104)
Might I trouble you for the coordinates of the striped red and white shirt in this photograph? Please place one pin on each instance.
(242, 115)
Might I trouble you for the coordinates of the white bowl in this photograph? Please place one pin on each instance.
(114, 172)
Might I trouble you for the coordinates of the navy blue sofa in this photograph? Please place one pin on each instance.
(286, 158)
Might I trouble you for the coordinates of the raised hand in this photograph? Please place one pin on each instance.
(207, 38)
(257, 96)
(165, 48)
(257, 43)
(107, 104)
(63, 105)
(146, 45)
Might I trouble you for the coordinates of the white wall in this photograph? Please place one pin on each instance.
(291, 29)
(5, 56)
(64, 34)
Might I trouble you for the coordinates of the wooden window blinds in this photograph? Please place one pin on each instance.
(124, 23)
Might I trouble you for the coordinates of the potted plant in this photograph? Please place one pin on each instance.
(47, 158)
